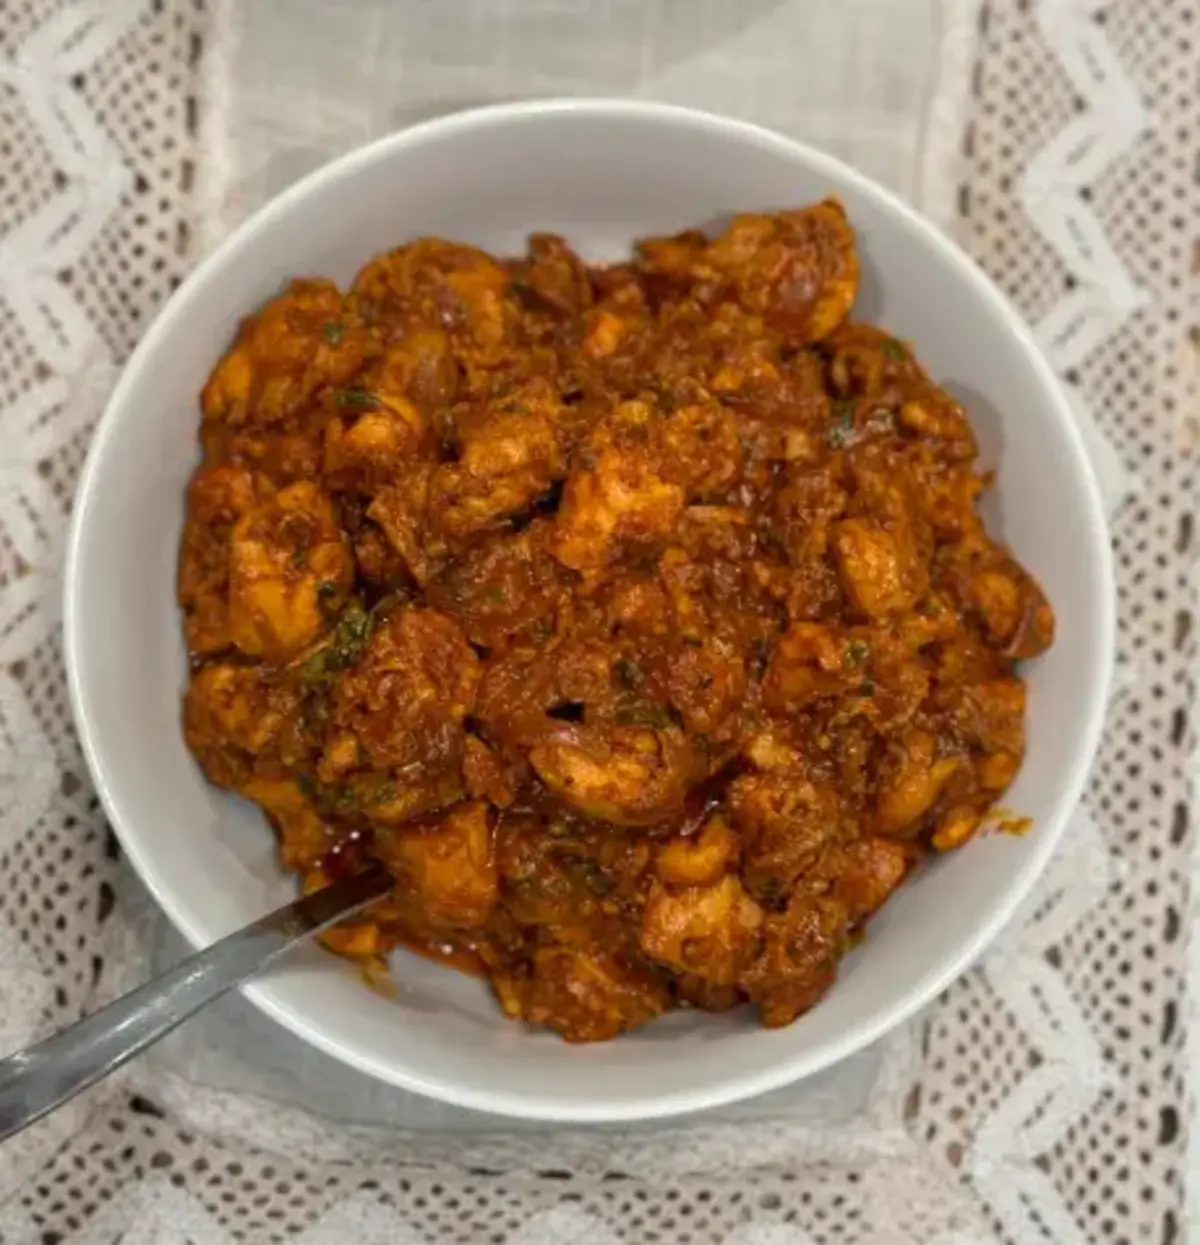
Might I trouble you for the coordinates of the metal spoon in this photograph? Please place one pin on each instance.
(42, 1077)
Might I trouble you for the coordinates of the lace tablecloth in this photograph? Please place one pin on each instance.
(1046, 1096)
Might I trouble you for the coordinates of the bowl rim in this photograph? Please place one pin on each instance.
(737, 1085)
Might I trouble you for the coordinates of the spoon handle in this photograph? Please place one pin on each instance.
(39, 1078)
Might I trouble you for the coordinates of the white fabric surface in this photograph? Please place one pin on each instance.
(311, 78)
(1044, 1098)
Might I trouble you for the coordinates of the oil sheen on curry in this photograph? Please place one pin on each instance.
(638, 617)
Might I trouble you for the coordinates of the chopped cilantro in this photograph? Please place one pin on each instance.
(841, 425)
(334, 332)
(385, 793)
(363, 399)
(326, 797)
(629, 674)
(653, 717)
(857, 651)
(866, 688)
(772, 538)
(893, 350)
(669, 398)
(349, 638)
(343, 799)
(496, 595)
(315, 668)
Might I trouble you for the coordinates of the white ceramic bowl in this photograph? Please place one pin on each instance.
(601, 173)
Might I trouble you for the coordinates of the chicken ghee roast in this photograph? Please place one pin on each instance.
(638, 617)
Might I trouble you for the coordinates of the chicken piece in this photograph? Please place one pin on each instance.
(640, 465)
(955, 827)
(699, 449)
(883, 547)
(894, 684)
(616, 326)
(801, 950)
(450, 867)
(355, 940)
(698, 859)
(217, 497)
(1034, 632)
(366, 938)
(712, 534)
(539, 887)
(585, 995)
(375, 444)
(616, 491)
(672, 257)
(509, 457)
(866, 872)
(992, 714)
(220, 495)
(300, 342)
(527, 697)
(402, 510)
(711, 932)
(934, 416)
(707, 685)
(605, 330)
(806, 578)
(484, 774)
(811, 662)
(861, 359)
(236, 706)
(873, 572)
(421, 367)
(687, 586)
(554, 277)
(507, 591)
(771, 749)
(1010, 603)
(625, 775)
(432, 284)
(798, 270)
(912, 779)
(304, 836)
(805, 512)
(783, 818)
(377, 559)
(515, 691)
(695, 992)
(233, 714)
(996, 770)
(997, 597)
(636, 605)
(406, 698)
(290, 570)
(741, 361)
